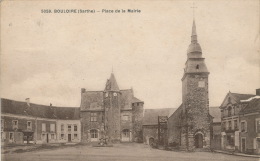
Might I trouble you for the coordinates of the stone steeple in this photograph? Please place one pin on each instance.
(194, 33)
(196, 120)
(194, 49)
(195, 62)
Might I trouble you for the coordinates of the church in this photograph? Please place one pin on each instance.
(190, 125)
(111, 114)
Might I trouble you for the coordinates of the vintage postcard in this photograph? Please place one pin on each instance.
(130, 80)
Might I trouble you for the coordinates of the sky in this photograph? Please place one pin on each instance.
(49, 57)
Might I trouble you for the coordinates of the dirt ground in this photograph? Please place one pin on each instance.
(119, 152)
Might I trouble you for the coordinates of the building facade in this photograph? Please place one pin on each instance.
(25, 123)
(240, 123)
(112, 114)
(250, 127)
(190, 123)
(17, 129)
(68, 131)
(230, 109)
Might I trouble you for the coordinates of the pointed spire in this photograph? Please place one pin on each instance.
(194, 28)
(194, 46)
(111, 84)
(194, 33)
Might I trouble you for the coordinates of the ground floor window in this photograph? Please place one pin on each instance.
(62, 136)
(75, 136)
(94, 133)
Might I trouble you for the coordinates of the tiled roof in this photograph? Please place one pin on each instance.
(253, 106)
(235, 98)
(135, 100)
(240, 97)
(215, 113)
(151, 115)
(91, 100)
(94, 99)
(111, 84)
(36, 110)
(126, 98)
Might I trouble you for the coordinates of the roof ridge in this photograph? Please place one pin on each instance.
(158, 108)
(39, 104)
(94, 91)
(124, 89)
(241, 93)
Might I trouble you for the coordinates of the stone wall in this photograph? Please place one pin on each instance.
(137, 119)
(112, 116)
(195, 110)
(150, 131)
(174, 127)
(87, 125)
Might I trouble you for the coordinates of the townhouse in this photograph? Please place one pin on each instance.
(237, 110)
(25, 123)
(249, 118)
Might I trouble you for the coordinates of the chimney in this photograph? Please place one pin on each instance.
(83, 90)
(257, 92)
(50, 104)
(27, 100)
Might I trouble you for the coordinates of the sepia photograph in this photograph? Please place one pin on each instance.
(149, 80)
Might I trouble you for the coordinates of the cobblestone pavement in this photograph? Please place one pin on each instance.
(119, 152)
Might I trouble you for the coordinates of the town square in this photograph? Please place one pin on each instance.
(121, 84)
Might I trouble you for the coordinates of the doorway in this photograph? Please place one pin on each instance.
(151, 141)
(69, 137)
(198, 140)
(243, 145)
(125, 135)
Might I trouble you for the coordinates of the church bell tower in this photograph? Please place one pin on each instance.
(196, 125)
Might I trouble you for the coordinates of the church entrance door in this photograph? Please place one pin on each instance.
(198, 141)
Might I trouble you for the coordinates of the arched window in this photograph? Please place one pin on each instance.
(94, 133)
(126, 133)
